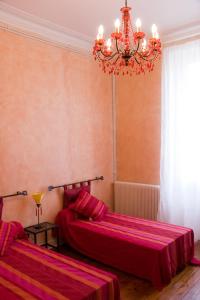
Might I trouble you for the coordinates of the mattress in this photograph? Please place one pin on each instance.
(151, 250)
(32, 272)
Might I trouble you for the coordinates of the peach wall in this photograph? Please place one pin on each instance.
(138, 127)
(56, 124)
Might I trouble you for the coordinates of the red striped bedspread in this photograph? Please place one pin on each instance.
(151, 250)
(31, 272)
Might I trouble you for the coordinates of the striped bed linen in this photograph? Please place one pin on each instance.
(31, 272)
(151, 250)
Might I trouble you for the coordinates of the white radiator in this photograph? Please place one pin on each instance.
(135, 199)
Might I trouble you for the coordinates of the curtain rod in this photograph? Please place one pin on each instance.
(23, 193)
(50, 188)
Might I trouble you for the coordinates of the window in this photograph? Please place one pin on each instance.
(180, 146)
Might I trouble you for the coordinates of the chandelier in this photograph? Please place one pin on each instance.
(127, 51)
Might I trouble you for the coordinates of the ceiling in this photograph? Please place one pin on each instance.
(82, 17)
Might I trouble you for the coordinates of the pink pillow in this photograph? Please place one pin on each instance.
(71, 194)
(8, 233)
(89, 206)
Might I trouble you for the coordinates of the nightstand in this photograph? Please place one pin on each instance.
(44, 227)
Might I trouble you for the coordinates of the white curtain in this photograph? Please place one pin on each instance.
(180, 141)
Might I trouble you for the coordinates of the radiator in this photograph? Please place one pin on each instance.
(135, 199)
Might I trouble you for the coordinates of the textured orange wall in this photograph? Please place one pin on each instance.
(138, 127)
(55, 124)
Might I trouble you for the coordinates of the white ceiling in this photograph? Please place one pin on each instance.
(82, 17)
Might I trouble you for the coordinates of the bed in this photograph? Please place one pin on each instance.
(28, 271)
(151, 250)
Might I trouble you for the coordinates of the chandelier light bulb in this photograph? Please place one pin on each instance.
(138, 25)
(154, 30)
(109, 44)
(98, 37)
(157, 35)
(101, 32)
(117, 25)
(144, 45)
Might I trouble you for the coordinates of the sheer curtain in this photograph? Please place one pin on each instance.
(180, 141)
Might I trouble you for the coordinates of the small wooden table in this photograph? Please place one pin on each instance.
(44, 227)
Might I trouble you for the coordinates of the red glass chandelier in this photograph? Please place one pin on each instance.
(127, 51)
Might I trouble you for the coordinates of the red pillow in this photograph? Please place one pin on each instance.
(1, 207)
(89, 206)
(71, 194)
(8, 233)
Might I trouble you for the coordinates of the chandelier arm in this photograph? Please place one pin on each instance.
(149, 60)
(115, 63)
(134, 51)
(117, 47)
(117, 60)
(106, 58)
(137, 60)
(114, 54)
(111, 57)
(98, 55)
(101, 52)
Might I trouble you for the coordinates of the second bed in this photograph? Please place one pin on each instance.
(151, 250)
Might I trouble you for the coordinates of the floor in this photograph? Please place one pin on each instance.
(185, 285)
